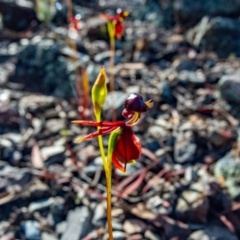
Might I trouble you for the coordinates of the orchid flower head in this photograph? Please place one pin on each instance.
(124, 145)
(117, 21)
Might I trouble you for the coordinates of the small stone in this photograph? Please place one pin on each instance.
(55, 125)
(220, 137)
(229, 86)
(5, 94)
(228, 168)
(15, 137)
(133, 89)
(190, 174)
(151, 235)
(153, 203)
(37, 125)
(185, 147)
(34, 102)
(78, 224)
(61, 227)
(56, 214)
(53, 154)
(153, 145)
(206, 34)
(118, 235)
(117, 224)
(31, 230)
(189, 13)
(13, 49)
(157, 131)
(132, 226)
(7, 236)
(102, 57)
(193, 204)
(212, 232)
(99, 216)
(4, 225)
(47, 236)
(184, 64)
(189, 77)
(117, 212)
(16, 158)
(40, 205)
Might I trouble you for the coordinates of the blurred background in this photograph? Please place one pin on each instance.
(184, 55)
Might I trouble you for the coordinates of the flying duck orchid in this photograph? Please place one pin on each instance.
(123, 145)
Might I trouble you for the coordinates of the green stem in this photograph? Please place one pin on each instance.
(111, 33)
(108, 173)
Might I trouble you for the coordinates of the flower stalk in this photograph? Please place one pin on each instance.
(115, 30)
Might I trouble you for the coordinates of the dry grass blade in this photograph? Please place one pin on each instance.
(149, 154)
(228, 224)
(85, 86)
(132, 187)
(127, 180)
(151, 181)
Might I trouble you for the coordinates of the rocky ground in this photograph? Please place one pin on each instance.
(181, 53)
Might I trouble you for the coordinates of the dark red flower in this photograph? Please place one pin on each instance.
(74, 22)
(126, 147)
(117, 20)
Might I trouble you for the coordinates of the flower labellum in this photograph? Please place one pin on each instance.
(127, 149)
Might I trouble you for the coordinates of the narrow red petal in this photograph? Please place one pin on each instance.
(102, 131)
(99, 124)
